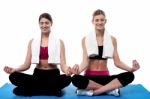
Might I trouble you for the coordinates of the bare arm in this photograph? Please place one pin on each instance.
(24, 66)
(64, 67)
(85, 60)
(119, 63)
(78, 69)
(27, 62)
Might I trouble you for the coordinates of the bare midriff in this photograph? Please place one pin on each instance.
(43, 64)
(97, 65)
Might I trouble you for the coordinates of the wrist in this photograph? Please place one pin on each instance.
(16, 69)
(131, 70)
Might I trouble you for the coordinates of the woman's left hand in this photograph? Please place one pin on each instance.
(68, 71)
(75, 69)
(135, 65)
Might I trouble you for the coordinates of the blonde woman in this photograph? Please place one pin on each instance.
(98, 47)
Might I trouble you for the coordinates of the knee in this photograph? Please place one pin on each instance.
(130, 76)
(126, 78)
(66, 79)
(12, 76)
(79, 81)
(75, 80)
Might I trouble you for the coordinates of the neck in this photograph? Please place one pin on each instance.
(45, 35)
(44, 39)
(99, 32)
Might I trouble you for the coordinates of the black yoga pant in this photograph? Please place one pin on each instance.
(42, 82)
(81, 82)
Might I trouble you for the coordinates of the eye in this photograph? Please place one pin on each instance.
(96, 20)
(41, 23)
(46, 23)
(102, 20)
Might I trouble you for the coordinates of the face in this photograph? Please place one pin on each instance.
(45, 25)
(99, 22)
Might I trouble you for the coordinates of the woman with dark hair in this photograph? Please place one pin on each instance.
(98, 46)
(46, 52)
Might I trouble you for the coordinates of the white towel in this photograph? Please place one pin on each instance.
(92, 46)
(53, 50)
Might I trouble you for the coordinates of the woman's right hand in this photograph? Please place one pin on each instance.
(9, 70)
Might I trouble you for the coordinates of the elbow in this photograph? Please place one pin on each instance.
(117, 63)
(27, 66)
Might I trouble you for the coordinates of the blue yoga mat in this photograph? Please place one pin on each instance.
(136, 91)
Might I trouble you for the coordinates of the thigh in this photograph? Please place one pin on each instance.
(124, 78)
(61, 81)
(21, 79)
(80, 81)
(102, 80)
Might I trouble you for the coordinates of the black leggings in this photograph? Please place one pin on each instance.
(42, 82)
(81, 82)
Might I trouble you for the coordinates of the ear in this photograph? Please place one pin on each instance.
(105, 21)
(92, 21)
(51, 23)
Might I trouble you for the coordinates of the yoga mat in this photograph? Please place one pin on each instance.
(136, 91)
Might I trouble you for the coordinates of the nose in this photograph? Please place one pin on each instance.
(99, 22)
(44, 25)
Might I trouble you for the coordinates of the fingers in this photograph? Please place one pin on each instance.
(136, 65)
(68, 72)
(8, 70)
(75, 69)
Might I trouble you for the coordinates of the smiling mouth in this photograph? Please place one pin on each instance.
(44, 29)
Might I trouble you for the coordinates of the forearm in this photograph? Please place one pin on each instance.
(123, 66)
(64, 68)
(22, 68)
(82, 67)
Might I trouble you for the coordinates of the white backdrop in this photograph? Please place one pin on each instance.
(127, 20)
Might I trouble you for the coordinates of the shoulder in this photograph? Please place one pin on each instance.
(114, 40)
(30, 41)
(35, 39)
(83, 39)
(61, 41)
